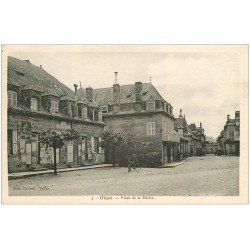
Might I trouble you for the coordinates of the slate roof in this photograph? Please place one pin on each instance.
(181, 121)
(29, 76)
(104, 96)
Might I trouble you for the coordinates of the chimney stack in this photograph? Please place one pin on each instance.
(116, 77)
(200, 125)
(237, 114)
(138, 89)
(75, 85)
(228, 117)
(116, 90)
(41, 66)
(180, 113)
(89, 94)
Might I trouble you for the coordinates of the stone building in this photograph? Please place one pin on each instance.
(199, 139)
(186, 136)
(38, 101)
(211, 146)
(142, 112)
(192, 138)
(229, 138)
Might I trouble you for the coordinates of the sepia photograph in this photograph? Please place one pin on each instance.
(125, 124)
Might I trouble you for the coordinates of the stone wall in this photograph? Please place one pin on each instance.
(27, 128)
(148, 148)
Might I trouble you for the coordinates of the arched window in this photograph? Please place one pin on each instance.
(12, 99)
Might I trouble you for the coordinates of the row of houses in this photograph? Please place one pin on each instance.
(229, 138)
(38, 101)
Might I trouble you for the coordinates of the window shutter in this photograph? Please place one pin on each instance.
(52, 107)
(85, 112)
(100, 116)
(14, 142)
(100, 148)
(74, 110)
(148, 128)
(14, 99)
(92, 144)
(56, 107)
(153, 128)
(9, 99)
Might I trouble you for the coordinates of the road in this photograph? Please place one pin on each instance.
(198, 176)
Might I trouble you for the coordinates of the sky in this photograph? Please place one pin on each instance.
(204, 84)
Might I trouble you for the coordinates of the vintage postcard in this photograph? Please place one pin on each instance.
(124, 124)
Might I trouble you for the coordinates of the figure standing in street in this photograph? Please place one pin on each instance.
(132, 163)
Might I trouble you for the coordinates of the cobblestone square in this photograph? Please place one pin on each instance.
(198, 176)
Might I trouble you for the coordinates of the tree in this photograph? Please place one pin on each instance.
(111, 140)
(56, 140)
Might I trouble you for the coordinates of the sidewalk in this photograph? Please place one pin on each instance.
(51, 171)
(172, 164)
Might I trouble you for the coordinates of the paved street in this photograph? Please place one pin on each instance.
(198, 176)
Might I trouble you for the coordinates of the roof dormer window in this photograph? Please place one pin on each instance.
(54, 107)
(150, 106)
(12, 99)
(104, 109)
(34, 104)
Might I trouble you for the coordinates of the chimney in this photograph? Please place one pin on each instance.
(75, 85)
(41, 66)
(89, 94)
(228, 117)
(138, 89)
(116, 77)
(180, 113)
(116, 90)
(200, 125)
(237, 114)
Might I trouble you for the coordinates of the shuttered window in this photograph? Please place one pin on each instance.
(12, 99)
(54, 107)
(151, 128)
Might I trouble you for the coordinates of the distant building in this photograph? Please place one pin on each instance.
(229, 138)
(192, 138)
(211, 146)
(141, 111)
(186, 137)
(38, 101)
(199, 139)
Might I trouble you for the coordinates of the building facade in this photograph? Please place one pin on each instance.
(229, 138)
(37, 101)
(140, 111)
(192, 138)
(199, 139)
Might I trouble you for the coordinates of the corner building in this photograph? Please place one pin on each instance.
(139, 110)
(38, 101)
